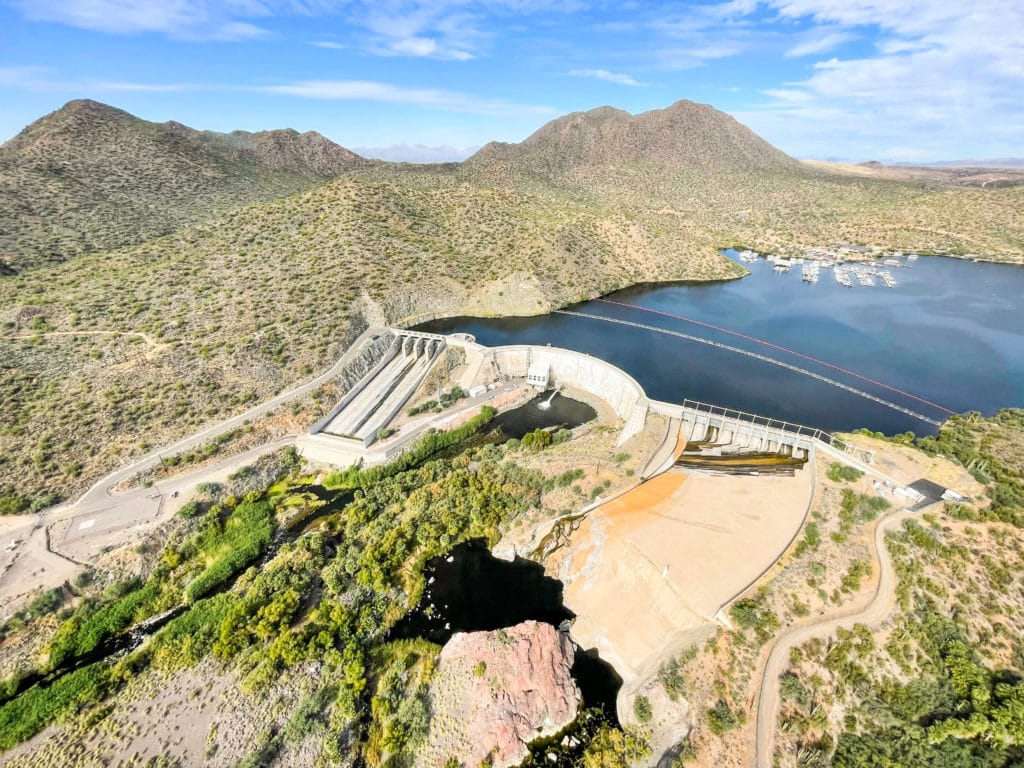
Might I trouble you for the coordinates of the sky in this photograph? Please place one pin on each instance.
(890, 80)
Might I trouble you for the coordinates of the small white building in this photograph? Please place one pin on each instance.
(538, 374)
(477, 390)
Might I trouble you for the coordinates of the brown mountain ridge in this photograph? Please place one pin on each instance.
(685, 134)
(91, 177)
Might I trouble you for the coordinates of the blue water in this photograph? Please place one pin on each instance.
(951, 332)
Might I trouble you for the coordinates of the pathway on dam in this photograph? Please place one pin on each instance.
(756, 356)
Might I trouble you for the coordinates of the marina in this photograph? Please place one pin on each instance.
(846, 273)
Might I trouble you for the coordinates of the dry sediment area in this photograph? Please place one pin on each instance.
(680, 546)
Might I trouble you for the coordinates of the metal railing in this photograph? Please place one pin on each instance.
(765, 422)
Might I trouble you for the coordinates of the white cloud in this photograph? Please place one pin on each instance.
(432, 98)
(425, 47)
(603, 74)
(788, 94)
(942, 83)
(181, 19)
(25, 78)
(819, 43)
(444, 29)
(327, 44)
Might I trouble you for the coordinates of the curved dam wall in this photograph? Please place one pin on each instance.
(575, 369)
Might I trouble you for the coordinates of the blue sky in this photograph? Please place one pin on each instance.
(904, 80)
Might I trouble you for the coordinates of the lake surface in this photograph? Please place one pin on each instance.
(951, 333)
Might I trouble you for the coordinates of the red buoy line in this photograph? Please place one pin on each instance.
(756, 356)
(781, 349)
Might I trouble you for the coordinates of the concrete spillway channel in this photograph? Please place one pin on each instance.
(383, 395)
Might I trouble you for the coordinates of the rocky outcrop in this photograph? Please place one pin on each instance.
(495, 692)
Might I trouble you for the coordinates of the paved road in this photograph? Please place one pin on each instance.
(99, 513)
(101, 489)
(877, 610)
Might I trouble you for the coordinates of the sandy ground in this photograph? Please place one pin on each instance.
(196, 714)
(666, 557)
(29, 566)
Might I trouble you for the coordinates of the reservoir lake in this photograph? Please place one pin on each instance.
(950, 336)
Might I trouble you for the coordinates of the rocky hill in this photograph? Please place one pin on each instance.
(685, 134)
(285, 150)
(89, 177)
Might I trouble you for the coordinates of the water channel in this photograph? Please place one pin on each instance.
(951, 332)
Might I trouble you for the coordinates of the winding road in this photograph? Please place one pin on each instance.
(101, 489)
(877, 610)
(33, 561)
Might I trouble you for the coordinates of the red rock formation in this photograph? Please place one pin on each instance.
(495, 692)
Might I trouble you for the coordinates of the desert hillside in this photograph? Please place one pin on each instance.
(90, 177)
(230, 305)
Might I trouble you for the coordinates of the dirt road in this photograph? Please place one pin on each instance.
(874, 612)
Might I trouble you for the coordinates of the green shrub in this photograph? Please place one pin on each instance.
(843, 473)
(33, 710)
(642, 709)
(190, 509)
(721, 718)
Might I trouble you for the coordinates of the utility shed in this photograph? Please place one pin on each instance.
(538, 374)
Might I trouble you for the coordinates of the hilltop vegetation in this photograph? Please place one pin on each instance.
(89, 177)
(142, 344)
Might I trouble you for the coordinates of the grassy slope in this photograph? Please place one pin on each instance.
(244, 305)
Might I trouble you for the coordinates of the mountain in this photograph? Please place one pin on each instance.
(90, 177)
(241, 303)
(998, 162)
(285, 150)
(685, 134)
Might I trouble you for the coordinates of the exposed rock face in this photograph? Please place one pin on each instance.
(495, 692)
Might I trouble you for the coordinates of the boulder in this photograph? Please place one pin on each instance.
(495, 692)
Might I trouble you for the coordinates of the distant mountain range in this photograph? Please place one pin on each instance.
(999, 162)
(417, 153)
